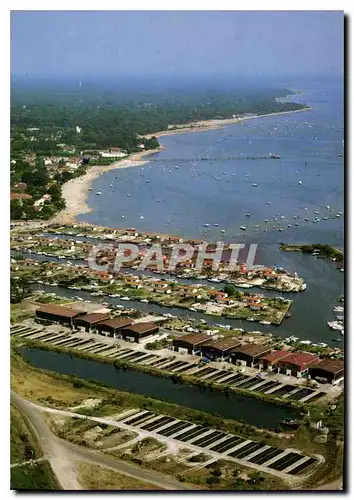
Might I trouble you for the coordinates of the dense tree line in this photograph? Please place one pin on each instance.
(112, 118)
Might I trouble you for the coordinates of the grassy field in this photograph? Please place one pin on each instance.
(38, 476)
(95, 477)
(24, 445)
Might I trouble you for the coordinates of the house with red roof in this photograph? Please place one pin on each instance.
(296, 364)
(268, 361)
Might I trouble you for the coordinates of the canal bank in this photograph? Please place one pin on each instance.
(229, 406)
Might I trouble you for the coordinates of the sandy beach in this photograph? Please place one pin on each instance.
(76, 190)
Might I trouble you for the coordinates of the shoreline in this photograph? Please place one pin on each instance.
(75, 192)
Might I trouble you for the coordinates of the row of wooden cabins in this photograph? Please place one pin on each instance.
(262, 356)
(101, 323)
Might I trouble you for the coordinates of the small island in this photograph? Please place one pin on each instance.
(317, 249)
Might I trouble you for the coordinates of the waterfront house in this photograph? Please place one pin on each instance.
(135, 333)
(88, 321)
(58, 314)
(249, 355)
(329, 371)
(190, 343)
(113, 327)
(219, 349)
(296, 364)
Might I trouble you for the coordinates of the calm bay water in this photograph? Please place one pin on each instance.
(309, 174)
(237, 407)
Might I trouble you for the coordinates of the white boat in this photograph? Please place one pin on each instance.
(192, 309)
(263, 322)
(335, 325)
(248, 215)
(250, 319)
(145, 301)
(222, 230)
(216, 225)
(303, 287)
(300, 182)
(243, 285)
(243, 228)
(338, 309)
(254, 185)
(206, 225)
(111, 185)
(125, 298)
(98, 193)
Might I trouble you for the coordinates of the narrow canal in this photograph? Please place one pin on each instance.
(233, 406)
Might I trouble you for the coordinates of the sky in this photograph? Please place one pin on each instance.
(176, 43)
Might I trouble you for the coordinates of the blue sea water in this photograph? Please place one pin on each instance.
(309, 175)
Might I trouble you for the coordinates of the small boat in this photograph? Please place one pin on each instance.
(206, 225)
(89, 189)
(248, 215)
(294, 424)
(243, 228)
(250, 319)
(254, 185)
(141, 216)
(125, 298)
(268, 202)
(300, 182)
(263, 322)
(303, 287)
(265, 220)
(335, 325)
(111, 185)
(222, 230)
(158, 201)
(338, 309)
(192, 309)
(128, 195)
(98, 193)
(145, 301)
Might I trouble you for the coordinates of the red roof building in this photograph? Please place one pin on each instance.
(20, 196)
(269, 360)
(297, 363)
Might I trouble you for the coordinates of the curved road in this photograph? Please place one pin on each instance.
(62, 455)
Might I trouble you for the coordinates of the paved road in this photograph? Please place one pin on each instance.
(62, 455)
